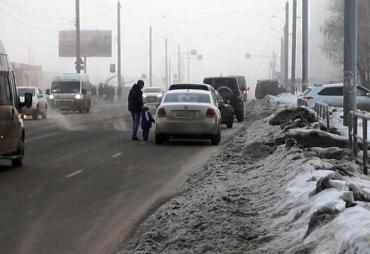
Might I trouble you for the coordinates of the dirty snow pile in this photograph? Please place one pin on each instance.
(261, 195)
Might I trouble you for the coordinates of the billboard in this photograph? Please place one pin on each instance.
(94, 43)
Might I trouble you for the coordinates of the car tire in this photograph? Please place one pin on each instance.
(158, 139)
(216, 139)
(240, 116)
(230, 123)
(45, 114)
(18, 162)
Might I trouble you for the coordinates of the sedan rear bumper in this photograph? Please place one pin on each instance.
(187, 128)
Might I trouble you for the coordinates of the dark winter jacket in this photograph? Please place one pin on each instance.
(146, 119)
(135, 99)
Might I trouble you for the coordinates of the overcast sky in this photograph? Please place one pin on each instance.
(221, 30)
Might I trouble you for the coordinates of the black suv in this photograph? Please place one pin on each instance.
(268, 87)
(229, 89)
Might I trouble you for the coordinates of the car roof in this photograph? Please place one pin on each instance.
(71, 77)
(155, 87)
(188, 91)
(204, 87)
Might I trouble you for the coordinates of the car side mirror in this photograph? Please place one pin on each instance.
(84, 91)
(48, 91)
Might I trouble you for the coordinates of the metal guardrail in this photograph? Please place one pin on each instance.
(355, 139)
(322, 111)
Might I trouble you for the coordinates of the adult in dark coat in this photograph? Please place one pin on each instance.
(135, 104)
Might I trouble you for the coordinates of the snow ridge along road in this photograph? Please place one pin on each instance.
(260, 198)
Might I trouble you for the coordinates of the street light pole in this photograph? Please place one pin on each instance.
(179, 63)
(350, 59)
(286, 44)
(294, 47)
(166, 61)
(304, 45)
(150, 56)
(78, 42)
(119, 68)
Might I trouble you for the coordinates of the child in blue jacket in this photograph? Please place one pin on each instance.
(146, 122)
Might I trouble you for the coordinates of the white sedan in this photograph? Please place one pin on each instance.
(188, 114)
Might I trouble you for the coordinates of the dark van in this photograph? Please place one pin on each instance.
(12, 133)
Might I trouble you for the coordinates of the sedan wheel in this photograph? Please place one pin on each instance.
(216, 139)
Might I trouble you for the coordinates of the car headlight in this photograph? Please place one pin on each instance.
(78, 96)
(51, 97)
(159, 96)
(144, 95)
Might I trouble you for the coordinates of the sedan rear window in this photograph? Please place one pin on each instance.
(187, 97)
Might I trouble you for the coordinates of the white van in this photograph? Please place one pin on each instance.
(12, 133)
(71, 92)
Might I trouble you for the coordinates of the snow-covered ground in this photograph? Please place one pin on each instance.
(256, 197)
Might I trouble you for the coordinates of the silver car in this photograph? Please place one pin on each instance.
(188, 114)
(332, 94)
(153, 95)
(39, 102)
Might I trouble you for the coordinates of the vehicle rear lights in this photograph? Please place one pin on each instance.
(161, 112)
(211, 113)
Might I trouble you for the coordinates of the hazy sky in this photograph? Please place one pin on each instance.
(221, 30)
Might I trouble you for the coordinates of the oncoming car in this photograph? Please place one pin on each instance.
(188, 114)
(332, 94)
(39, 102)
(153, 95)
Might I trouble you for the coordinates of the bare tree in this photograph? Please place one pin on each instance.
(333, 31)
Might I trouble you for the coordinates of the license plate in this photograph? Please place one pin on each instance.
(185, 114)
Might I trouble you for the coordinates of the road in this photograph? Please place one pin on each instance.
(85, 185)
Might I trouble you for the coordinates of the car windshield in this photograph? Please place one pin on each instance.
(188, 97)
(65, 87)
(23, 91)
(152, 90)
(307, 91)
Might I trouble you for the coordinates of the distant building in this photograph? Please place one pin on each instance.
(27, 75)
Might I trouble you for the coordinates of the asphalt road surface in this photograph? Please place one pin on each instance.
(85, 185)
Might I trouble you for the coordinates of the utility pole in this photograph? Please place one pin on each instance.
(189, 67)
(286, 44)
(119, 67)
(282, 59)
(350, 59)
(304, 44)
(78, 42)
(166, 61)
(274, 64)
(85, 64)
(150, 56)
(179, 64)
(294, 47)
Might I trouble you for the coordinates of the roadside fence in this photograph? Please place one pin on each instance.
(322, 111)
(355, 139)
(302, 102)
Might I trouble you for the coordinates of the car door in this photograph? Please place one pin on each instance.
(333, 96)
(9, 122)
(363, 98)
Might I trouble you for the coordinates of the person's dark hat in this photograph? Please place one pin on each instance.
(140, 83)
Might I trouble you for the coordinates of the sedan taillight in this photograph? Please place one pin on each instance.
(211, 113)
(161, 112)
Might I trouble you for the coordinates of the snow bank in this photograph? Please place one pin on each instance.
(286, 99)
(256, 198)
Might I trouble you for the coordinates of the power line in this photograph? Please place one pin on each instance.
(26, 24)
(31, 14)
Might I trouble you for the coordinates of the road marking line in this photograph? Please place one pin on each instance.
(43, 137)
(116, 155)
(74, 173)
